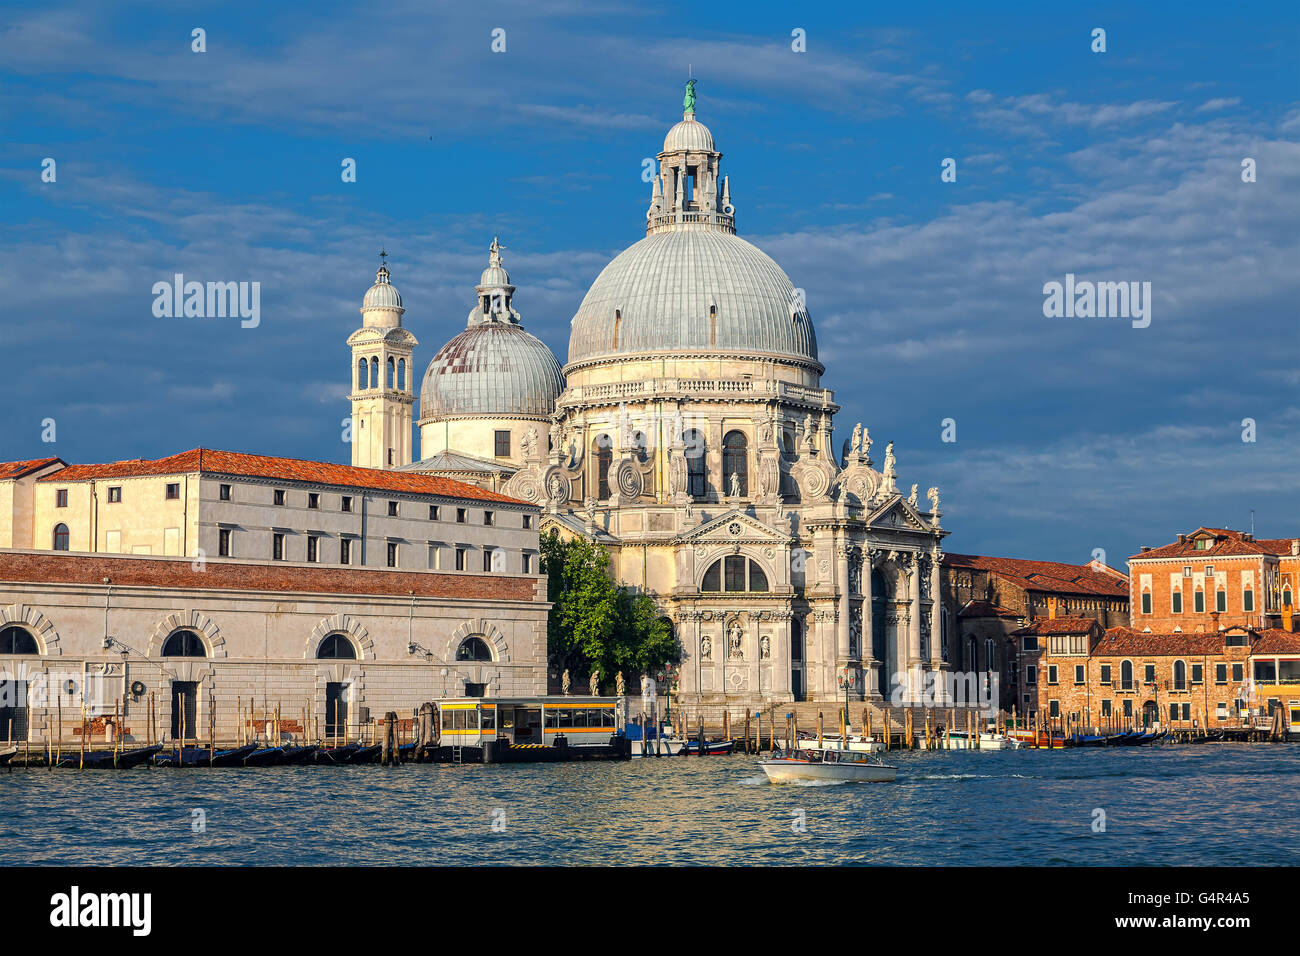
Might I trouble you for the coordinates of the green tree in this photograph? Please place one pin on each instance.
(595, 622)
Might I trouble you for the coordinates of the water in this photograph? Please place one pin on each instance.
(1211, 804)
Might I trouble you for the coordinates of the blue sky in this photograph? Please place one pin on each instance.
(1072, 434)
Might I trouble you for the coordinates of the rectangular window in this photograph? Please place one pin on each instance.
(1150, 673)
(460, 515)
(1187, 570)
(1031, 644)
(487, 559)
(313, 548)
(528, 522)
(279, 496)
(277, 546)
(1220, 601)
(115, 494)
(313, 499)
(1128, 706)
(223, 543)
(1078, 673)
(1187, 711)
(61, 498)
(347, 503)
(487, 517)
(173, 490)
(1105, 673)
(1221, 673)
(223, 492)
(460, 559)
(345, 551)
(1209, 572)
(1198, 674)
(433, 512)
(1237, 673)
(1176, 602)
(1248, 600)
(1105, 708)
(1053, 708)
(502, 443)
(527, 566)
(392, 509)
(433, 556)
(392, 554)
(1221, 711)
(1146, 602)
(1198, 602)
(1173, 711)
(1051, 674)
(1031, 675)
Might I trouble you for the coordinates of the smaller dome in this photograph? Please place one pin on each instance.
(494, 277)
(689, 134)
(495, 368)
(383, 294)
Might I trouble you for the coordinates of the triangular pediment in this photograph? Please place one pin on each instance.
(734, 526)
(896, 514)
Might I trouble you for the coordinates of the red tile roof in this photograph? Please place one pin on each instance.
(985, 609)
(1126, 642)
(1274, 640)
(238, 464)
(1047, 576)
(1059, 625)
(20, 469)
(1227, 543)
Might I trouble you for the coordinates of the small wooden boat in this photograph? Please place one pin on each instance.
(712, 748)
(7, 754)
(826, 765)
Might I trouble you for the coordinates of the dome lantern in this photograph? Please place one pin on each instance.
(690, 192)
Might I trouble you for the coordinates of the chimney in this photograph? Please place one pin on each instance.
(1051, 609)
(1295, 547)
(1146, 548)
(1286, 618)
(1214, 616)
(1182, 539)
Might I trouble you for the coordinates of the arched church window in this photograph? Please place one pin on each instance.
(604, 455)
(697, 477)
(401, 374)
(374, 371)
(337, 647)
(735, 572)
(60, 537)
(735, 461)
(392, 373)
(17, 640)
(473, 649)
(184, 643)
(362, 374)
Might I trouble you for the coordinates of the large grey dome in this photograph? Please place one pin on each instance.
(692, 290)
(495, 368)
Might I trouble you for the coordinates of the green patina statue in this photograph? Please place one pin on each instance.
(688, 101)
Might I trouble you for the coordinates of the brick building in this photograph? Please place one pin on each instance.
(1242, 579)
(987, 601)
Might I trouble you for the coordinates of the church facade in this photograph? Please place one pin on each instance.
(690, 433)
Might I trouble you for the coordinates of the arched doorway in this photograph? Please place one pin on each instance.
(879, 631)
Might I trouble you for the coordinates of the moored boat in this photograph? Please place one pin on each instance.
(204, 757)
(712, 748)
(335, 755)
(7, 754)
(826, 765)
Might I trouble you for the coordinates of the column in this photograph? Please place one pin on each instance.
(842, 579)
(914, 627)
(936, 613)
(871, 682)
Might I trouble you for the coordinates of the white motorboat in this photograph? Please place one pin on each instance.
(826, 765)
(856, 743)
(960, 740)
(658, 747)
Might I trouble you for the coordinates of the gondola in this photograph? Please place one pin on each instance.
(265, 757)
(107, 759)
(204, 757)
(1087, 740)
(135, 757)
(7, 755)
(299, 755)
(365, 754)
(334, 755)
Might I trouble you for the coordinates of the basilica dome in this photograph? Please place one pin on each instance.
(494, 367)
(692, 286)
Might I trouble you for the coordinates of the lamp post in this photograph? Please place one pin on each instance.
(846, 680)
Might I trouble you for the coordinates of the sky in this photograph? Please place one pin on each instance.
(1072, 433)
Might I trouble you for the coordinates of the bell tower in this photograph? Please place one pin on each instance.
(382, 393)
